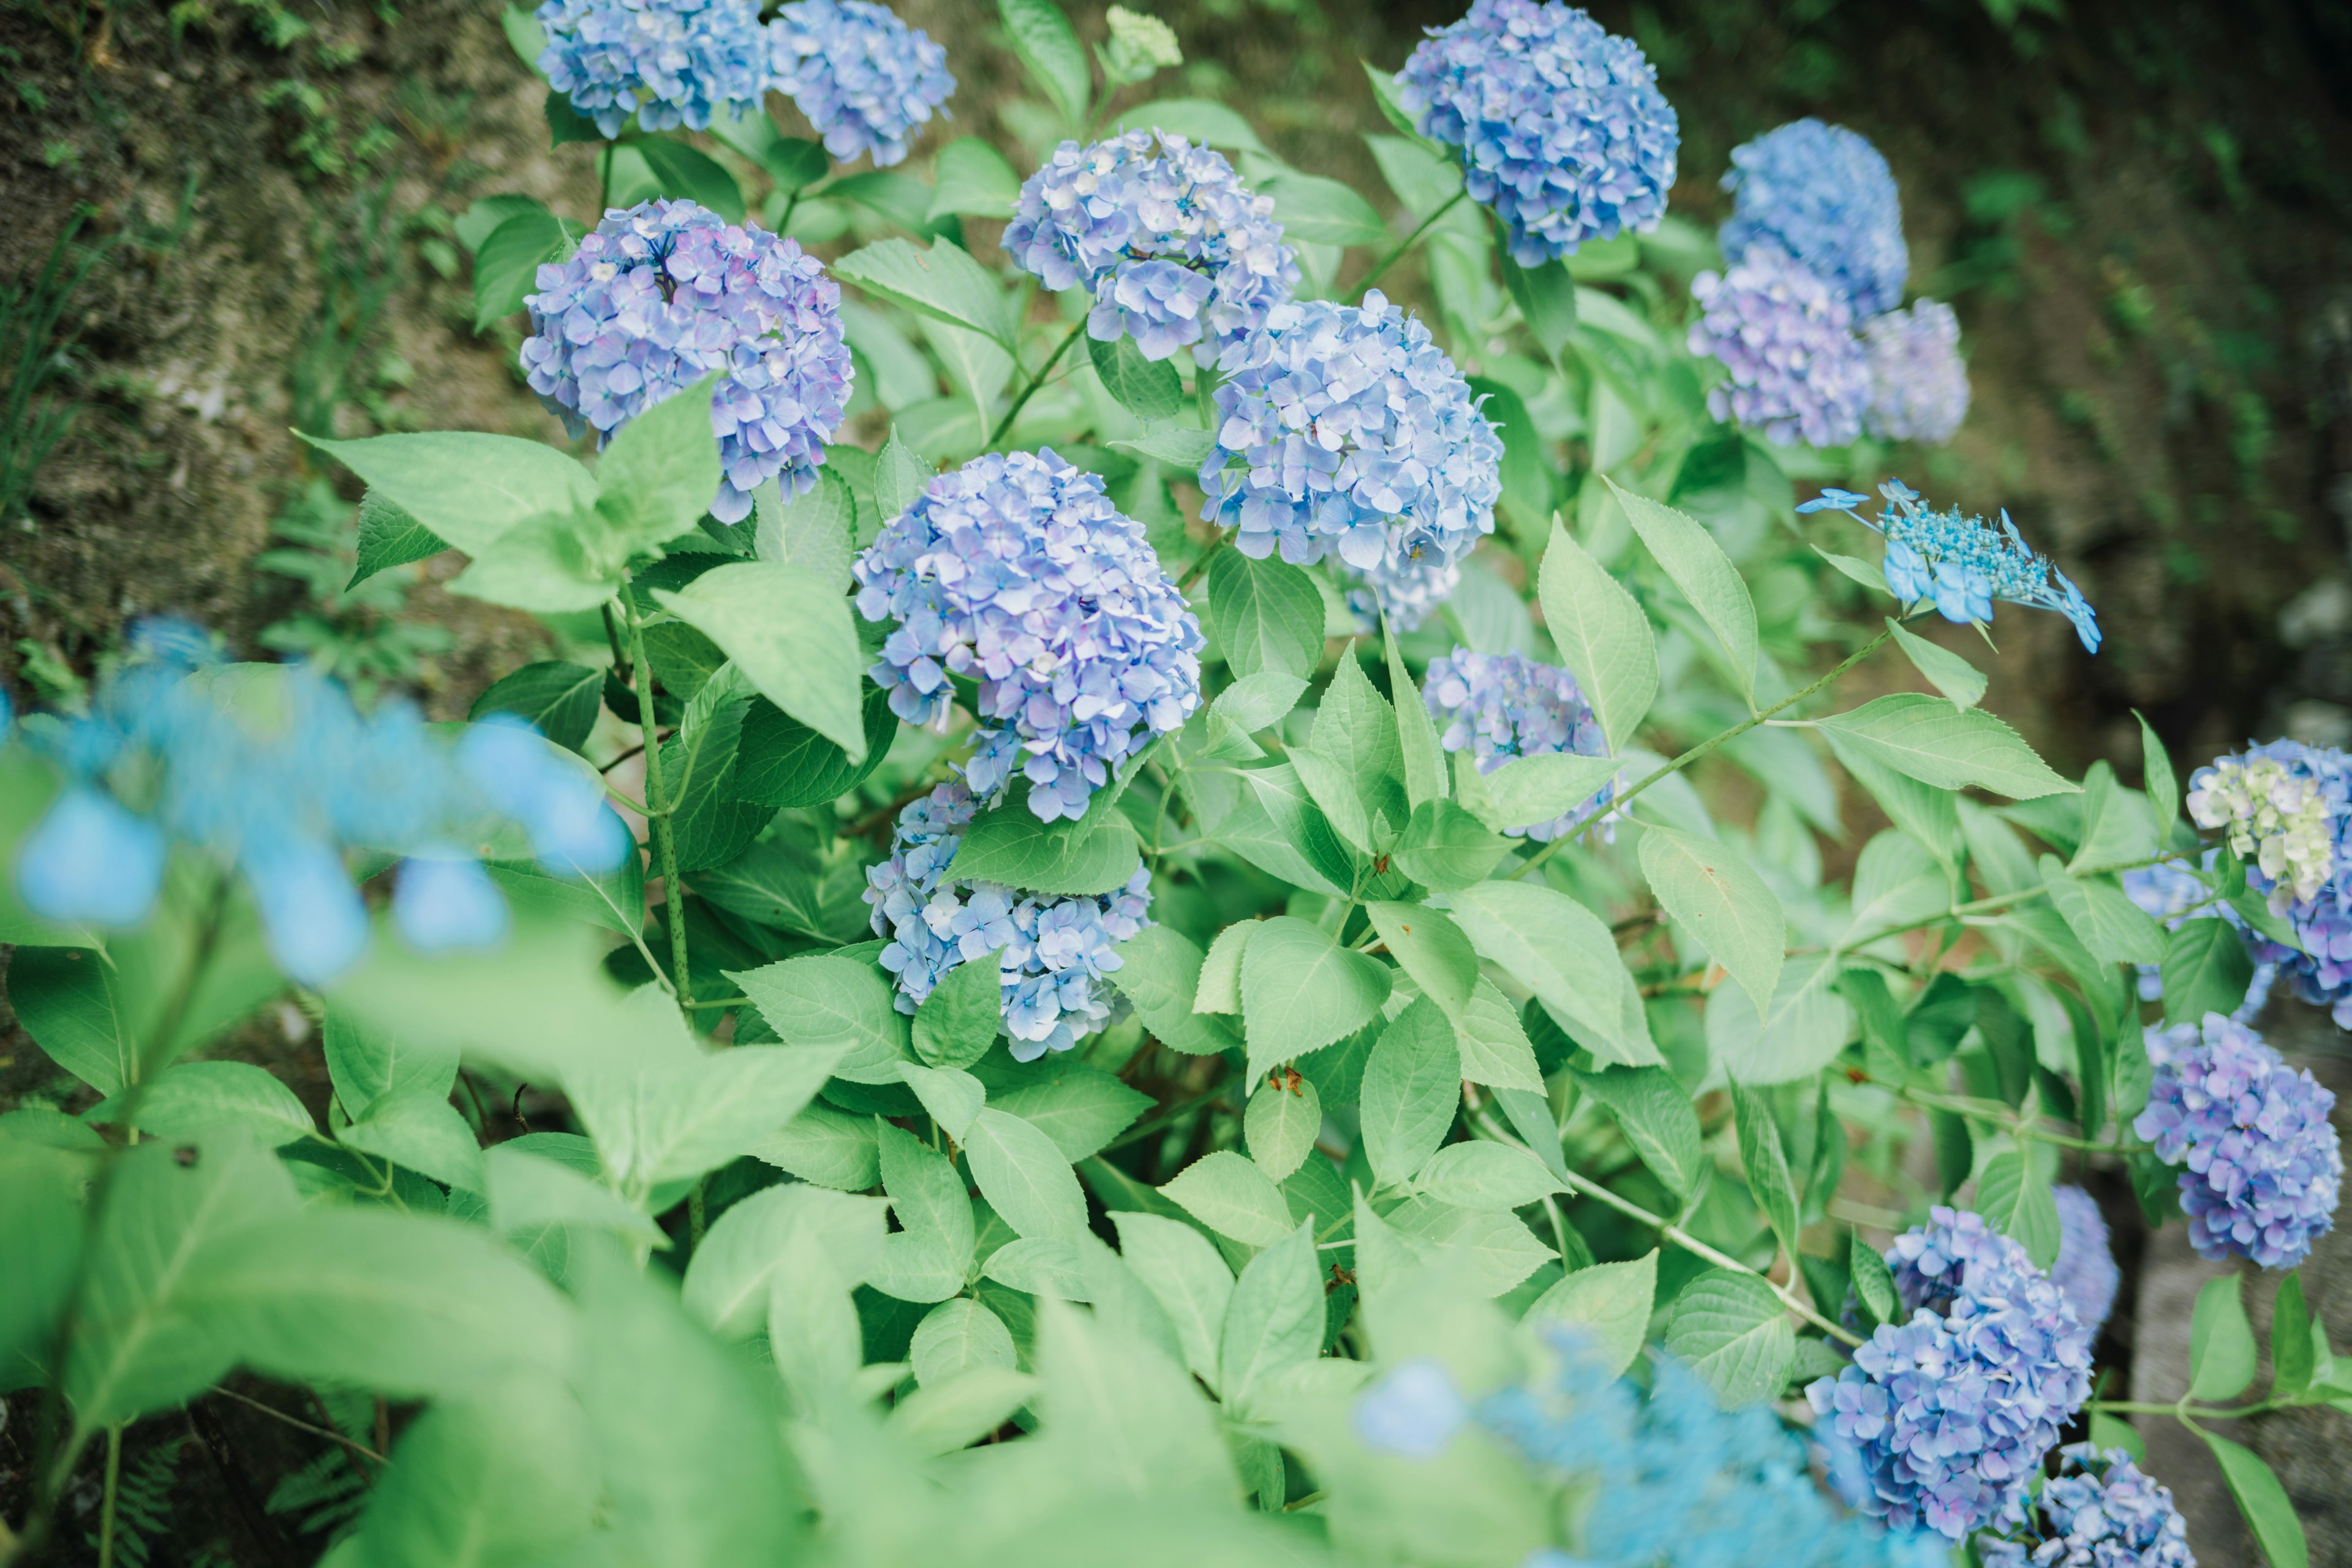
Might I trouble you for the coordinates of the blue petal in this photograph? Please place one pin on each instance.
(316, 923)
(441, 904)
(91, 859)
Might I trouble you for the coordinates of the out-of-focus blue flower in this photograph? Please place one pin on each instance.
(1918, 383)
(1345, 430)
(572, 829)
(2287, 810)
(2170, 891)
(665, 293)
(1405, 590)
(1055, 951)
(1822, 195)
(1017, 571)
(1412, 1412)
(440, 903)
(671, 63)
(1177, 252)
(864, 78)
(2261, 1165)
(1560, 124)
(1501, 706)
(93, 861)
(1963, 563)
(2101, 1512)
(1797, 371)
(2085, 1272)
(1943, 1421)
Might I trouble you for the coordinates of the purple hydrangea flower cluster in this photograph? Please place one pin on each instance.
(1018, 571)
(663, 294)
(1344, 428)
(1918, 383)
(671, 63)
(2261, 1164)
(1961, 563)
(1560, 124)
(1177, 252)
(1054, 951)
(1822, 195)
(2169, 891)
(863, 78)
(274, 772)
(1502, 706)
(1797, 371)
(2085, 1272)
(2100, 1511)
(1943, 1421)
(2286, 809)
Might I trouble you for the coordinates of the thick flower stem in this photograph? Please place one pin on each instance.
(1036, 381)
(658, 817)
(1380, 267)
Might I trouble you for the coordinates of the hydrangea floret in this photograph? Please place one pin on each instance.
(1961, 563)
(665, 293)
(1918, 383)
(2084, 1272)
(1941, 1422)
(2286, 809)
(1405, 590)
(670, 63)
(1824, 195)
(273, 772)
(2260, 1166)
(1499, 706)
(1053, 951)
(2100, 1511)
(865, 80)
(1345, 431)
(1177, 252)
(1796, 371)
(1561, 126)
(1017, 572)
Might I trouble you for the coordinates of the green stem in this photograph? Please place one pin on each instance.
(1990, 904)
(2015, 1123)
(1381, 267)
(1036, 381)
(113, 1487)
(1145, 1129)
(1199, 563)
(604, 182)
(657, 799)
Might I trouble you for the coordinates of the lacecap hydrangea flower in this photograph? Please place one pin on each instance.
(1054, 950)
(1345, 429)
(1177, 252)
(670, 63)
(1943, 1421)
(2101, 1512)
(269, 770)
(1962, 563)
(2173, 894)
(1561, 127)
(1796, 370)
(2085, 1272)
(1918, 383)
(1017, 571)
(1499, 706)
(2286, 809)
(1822, 195)
(863, 78)
(663, 294)
(2261, 1165)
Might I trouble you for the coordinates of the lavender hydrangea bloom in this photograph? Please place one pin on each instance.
(2261, 1168)
(1942, 1422)
(864, 78)
(2085, 1272)
(663, 294)
(1405, 590)
(2101, 1512)
(2286, 809)
(1018, 571)
(1054, 950)
(1501, 706)
(1797, 371)
(1560, 124)
(1345, 429)
(671, 63)
(2169, 891)
(1918, 383)
(1822, 195)
(1177, 252)
(1963, 564)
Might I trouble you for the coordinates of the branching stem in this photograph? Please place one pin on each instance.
(1036, 381)
(1396, 254)
(657, 816)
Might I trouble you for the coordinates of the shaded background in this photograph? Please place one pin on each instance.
(2142, 213)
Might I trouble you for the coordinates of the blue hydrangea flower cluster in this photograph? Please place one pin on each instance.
(2286, 809)
(1942, 1422)
(1017, 571)
(1822, 195)
(1413, 1412)
(2170, 891)
(1177, 252)
(1797, 371)
(670, 63)
(2085, 1272)
(1561, 127)
(272, 770)
(1405, 590)
(1346, 429)
(663, 294)
(1501, 706)
(1961, 563)
(2099, 1511)
(1054, 950)
(864, 78)
(1918, 383)
(2261, 1165)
